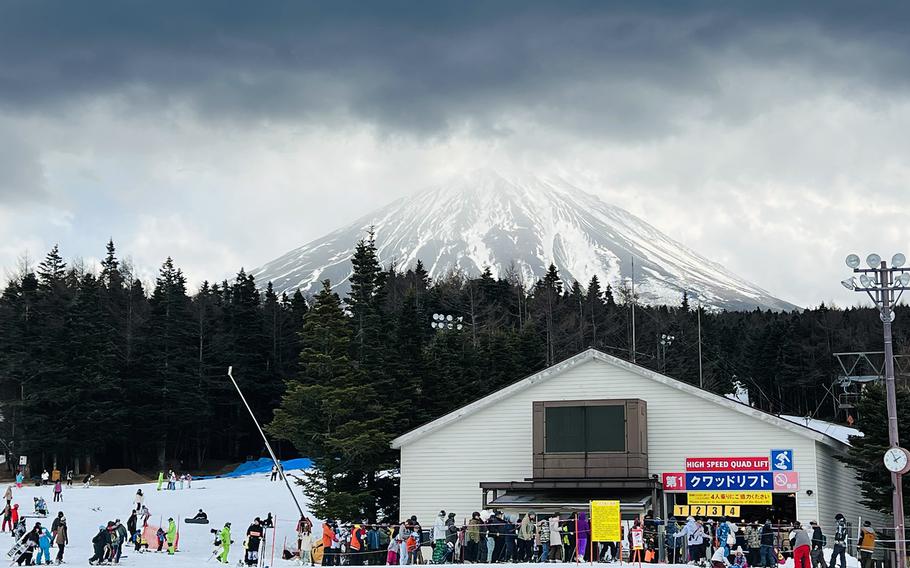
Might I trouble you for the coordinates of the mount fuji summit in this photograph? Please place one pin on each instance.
(521, 224)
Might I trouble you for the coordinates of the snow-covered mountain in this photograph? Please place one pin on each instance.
(522, 223)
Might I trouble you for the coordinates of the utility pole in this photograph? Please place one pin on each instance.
(633, 309)
(880, 288)
(701, 378)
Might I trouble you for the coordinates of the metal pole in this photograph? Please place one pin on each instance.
(264, 439)
(893, 438)
(633, 309)
(701, 380)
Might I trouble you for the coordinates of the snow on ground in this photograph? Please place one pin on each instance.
(237, 500)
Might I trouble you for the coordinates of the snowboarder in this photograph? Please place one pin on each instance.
(30, 542)
(14, 515)
(140, 498)
(145, 516)
(181, 479)
(8, 517)
(225, 538)
(120, 537)
(200, 516)
(40, 506)
(818, 545)
(274, 473)
(19, 479)
(99, 542)
(840, 542)
(253, 538)
(58, 491)
(69, 478)
(189, 481)
(9, 495)
(766, 537)
(171, 535)
(439, 538)
(45, 477)
(44, 546)
(61, 537)
(160, 479)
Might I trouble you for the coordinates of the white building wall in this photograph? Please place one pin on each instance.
(443, 468)
(838, 492)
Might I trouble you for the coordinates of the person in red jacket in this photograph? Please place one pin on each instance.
(14, 514)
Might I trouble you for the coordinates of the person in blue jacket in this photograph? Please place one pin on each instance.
(44, 546)
(723, 531)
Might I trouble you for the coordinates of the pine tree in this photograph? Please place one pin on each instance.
(866, 451)
(328, 418)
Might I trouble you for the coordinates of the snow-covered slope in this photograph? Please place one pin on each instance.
(521, 223)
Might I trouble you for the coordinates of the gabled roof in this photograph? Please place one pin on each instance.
(591, 354)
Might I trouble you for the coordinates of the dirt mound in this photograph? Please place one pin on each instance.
(120, 477)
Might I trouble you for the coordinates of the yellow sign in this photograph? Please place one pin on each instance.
(682, 511)
(605, 521)
(729, 497)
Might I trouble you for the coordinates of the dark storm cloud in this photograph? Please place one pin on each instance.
(628, 70)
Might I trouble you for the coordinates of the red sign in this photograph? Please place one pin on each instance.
(674, 481)
(786, 481)
(728, 464)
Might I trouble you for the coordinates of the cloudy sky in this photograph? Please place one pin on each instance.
(770, 137)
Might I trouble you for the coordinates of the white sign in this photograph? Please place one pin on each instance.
(2, 458)
(638, 541)
(23, 460)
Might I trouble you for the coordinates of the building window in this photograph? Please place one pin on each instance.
(585, 429)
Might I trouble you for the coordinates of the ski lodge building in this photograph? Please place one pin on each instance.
(598, 427)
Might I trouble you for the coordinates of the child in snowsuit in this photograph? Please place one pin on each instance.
(161, 538)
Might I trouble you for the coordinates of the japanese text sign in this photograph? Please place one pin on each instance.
(730, 497)
(745, 481)
(605, 521)
(728, 464)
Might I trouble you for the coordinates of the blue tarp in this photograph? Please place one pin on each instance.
(263, 465)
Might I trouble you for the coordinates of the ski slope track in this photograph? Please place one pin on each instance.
(521, 224)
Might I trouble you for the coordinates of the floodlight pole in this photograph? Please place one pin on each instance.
(885, 278)
(880, 289)
(267, 445)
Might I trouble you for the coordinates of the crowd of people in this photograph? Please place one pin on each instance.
(495, 537)
(172, 479)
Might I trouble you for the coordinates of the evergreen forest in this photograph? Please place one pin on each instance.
(100, 370)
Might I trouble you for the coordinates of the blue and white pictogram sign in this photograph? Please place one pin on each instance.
(781, 460)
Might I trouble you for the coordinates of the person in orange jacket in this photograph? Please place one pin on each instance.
(328, 544)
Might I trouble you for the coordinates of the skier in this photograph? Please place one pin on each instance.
(44, 546)
(61, 537)
(8, 517)
(99, 542)
(840, 542)
(122, 537)
(226, 541)
(801, 542)
(58, 491)
(767, 545)
(140, 498)
(161, 538)
(818, 545)
(866, 545)
(253, 537)
(171, 535)
(31, 543)
(160, 479)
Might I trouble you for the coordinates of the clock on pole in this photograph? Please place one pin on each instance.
(897, 460)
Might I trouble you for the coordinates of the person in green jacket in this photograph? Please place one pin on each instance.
(225, 538)
(171, 535)
(160, 479)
